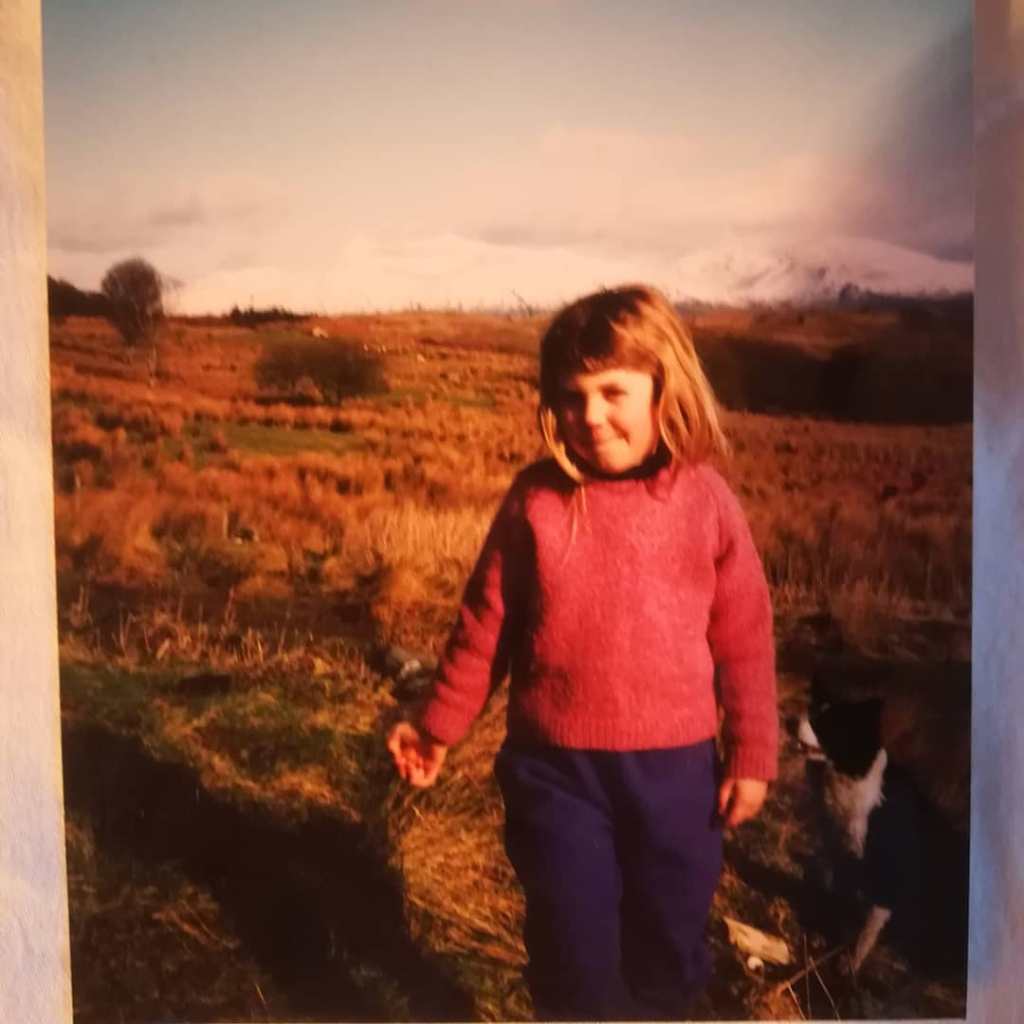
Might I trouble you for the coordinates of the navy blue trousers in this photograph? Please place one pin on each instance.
(619, 855)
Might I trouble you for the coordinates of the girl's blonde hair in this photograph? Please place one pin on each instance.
(632, 327)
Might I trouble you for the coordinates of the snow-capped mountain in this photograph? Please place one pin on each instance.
(738, 272)
(441, 271)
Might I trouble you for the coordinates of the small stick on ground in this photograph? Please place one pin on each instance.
(259, 992)
(828, 994)
(807, 977)
(781, 987)
(796, 1002)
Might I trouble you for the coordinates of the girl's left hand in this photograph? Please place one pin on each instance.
(740, 799)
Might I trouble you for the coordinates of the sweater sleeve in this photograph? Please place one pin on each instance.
(742, 645)
(476, 655)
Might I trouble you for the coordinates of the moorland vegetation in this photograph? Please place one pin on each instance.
(250, 524)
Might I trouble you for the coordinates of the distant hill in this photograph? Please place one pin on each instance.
(745, 271)
(883, 359)
(856, 355)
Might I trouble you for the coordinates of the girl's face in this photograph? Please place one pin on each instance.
(608, 418)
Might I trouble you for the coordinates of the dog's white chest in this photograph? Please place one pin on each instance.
(850, 801)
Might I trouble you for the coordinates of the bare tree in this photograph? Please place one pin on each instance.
(134, 290)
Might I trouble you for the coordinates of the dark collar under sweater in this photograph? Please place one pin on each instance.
(657, 471)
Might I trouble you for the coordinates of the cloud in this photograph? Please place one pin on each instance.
(146, 220)
(189, 212)
(912, 182)
(220, 203)
(606, 191)
(92, 240)
(902, 173)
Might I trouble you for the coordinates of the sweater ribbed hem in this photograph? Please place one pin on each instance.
(758, 762)
(581, 733)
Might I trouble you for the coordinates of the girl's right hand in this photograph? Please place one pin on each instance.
(418, 758)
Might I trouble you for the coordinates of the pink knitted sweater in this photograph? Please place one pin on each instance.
(619, 639)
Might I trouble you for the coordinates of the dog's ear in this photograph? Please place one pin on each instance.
(861, 723)
(823, 686)
(816, 685)
(848, 731)
(873, 714)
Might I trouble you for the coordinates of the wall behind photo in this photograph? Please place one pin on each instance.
(34, 957)
(997, 827)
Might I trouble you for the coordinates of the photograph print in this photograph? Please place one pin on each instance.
(513, 487)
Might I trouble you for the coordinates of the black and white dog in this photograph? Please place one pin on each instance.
(889, 755)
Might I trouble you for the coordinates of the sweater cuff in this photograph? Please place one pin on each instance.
(442, 724)
(752, 763)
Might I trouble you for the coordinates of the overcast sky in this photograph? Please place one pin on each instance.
(371, 154)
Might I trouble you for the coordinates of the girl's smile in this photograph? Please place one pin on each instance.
(608, 418)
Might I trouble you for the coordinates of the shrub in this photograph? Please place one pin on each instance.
(299, 366)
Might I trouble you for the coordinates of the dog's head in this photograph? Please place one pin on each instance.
(844, 729)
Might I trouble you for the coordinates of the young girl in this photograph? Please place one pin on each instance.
(620, 587)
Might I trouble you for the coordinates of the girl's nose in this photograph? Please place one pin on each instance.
(594, 411)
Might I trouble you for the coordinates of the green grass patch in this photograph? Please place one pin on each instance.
(262, 728)
(476, 400)
(111, 696)
(258, 439)
(261, 440)
(264, 735)
(398, 396)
